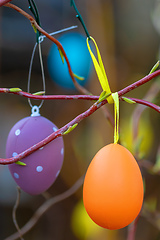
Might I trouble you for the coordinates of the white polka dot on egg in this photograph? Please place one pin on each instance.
(16, 175)
(14, 154)
(39, 168)
(17, 132)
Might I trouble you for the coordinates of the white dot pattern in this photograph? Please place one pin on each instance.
(55, 129)
(14, 154)
(17, 132)
(16, 175)
(39, 168)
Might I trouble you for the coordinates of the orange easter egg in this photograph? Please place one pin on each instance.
(113, 187)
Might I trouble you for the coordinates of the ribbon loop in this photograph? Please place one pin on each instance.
(99, 67)
(113, 97)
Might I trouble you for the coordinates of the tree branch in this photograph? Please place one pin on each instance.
(3, 2)
(14, 213)
(47, 97)
(139, 83)
(132, 229)
(145, 103)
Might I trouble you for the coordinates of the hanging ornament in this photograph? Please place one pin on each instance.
(113, 187)
(38, 171)
(44, 165)
(113, 184)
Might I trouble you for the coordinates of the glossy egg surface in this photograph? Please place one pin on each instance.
(44, 165)
(113, 187)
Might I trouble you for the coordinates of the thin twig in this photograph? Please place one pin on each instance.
(138, 83)
(87, 96)
(132, 229)
(48, 97)
(14, 213)
(76, 97)
(45, 207)
(146, 103)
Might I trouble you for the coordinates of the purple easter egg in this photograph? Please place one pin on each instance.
(44, 165)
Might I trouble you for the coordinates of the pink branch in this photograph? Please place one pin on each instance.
(85, 97)
(91, 97)
(2, 2)
(132, 229)
(75, 97)
(49, 97)
(146, 103)
(139, 83)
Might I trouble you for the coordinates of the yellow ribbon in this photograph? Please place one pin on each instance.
(116, 116)
(100, 70)
(113, 98)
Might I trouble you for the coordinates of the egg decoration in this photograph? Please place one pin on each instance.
(44, 165)
(75, 47)
(113, 187)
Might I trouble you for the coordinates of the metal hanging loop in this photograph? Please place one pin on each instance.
(34, 10)
(30, 71)
(35, 111)
(40, 40)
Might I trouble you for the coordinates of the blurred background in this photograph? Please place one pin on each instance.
(127, 33)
